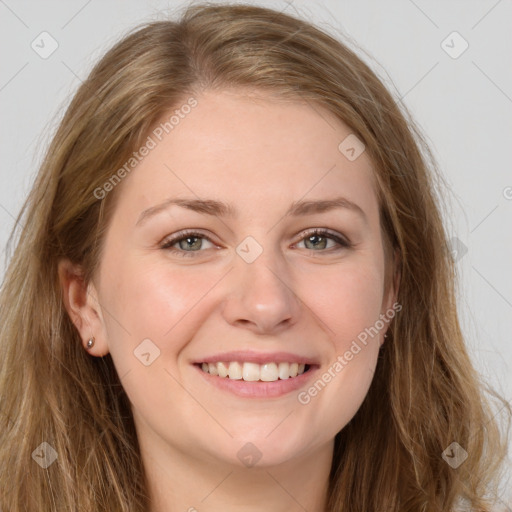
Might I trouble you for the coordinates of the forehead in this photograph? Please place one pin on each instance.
(249, 149)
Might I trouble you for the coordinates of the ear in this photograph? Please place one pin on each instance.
(81, 303)
(391, 296)
(397, 274)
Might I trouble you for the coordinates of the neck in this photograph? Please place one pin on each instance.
(182, 482)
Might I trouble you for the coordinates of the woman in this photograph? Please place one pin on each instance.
(233, 290)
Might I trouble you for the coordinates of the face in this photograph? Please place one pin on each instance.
(248, 240)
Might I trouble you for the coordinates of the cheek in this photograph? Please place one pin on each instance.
(146, 300)
(338, 393)
(349, 303)
(348, 300)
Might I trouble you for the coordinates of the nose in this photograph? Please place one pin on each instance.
(260, 296)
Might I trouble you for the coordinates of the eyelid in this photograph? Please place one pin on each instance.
(337, 237)
(180, 235)
(340, 239)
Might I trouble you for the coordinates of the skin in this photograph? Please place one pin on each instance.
(307, 296)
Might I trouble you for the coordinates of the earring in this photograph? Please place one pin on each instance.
(385, 335)
(90, 343)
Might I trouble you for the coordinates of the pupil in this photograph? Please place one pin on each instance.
(190, 244)
(316, 238)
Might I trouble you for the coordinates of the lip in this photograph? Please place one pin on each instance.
(248, 356)
(259, 389)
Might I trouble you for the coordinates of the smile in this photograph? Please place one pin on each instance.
(253, 372)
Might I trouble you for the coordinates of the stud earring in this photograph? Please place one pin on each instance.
(90, 343)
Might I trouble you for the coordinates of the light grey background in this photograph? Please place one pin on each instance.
(463, 106)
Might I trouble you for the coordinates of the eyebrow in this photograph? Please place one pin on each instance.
(221, 209)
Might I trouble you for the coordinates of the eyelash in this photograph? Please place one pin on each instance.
(167, 244)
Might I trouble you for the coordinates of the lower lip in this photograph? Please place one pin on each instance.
(259, 389)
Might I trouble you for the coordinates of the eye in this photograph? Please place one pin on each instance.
(188, 242)
(318, 239)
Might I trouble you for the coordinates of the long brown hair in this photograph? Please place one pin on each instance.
(425, 394)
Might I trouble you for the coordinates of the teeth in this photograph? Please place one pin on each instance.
(235, 371)
(222, 369)
(252, 372)
(284, 371)
(269, 372)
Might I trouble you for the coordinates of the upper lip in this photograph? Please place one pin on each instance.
(246, 356)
